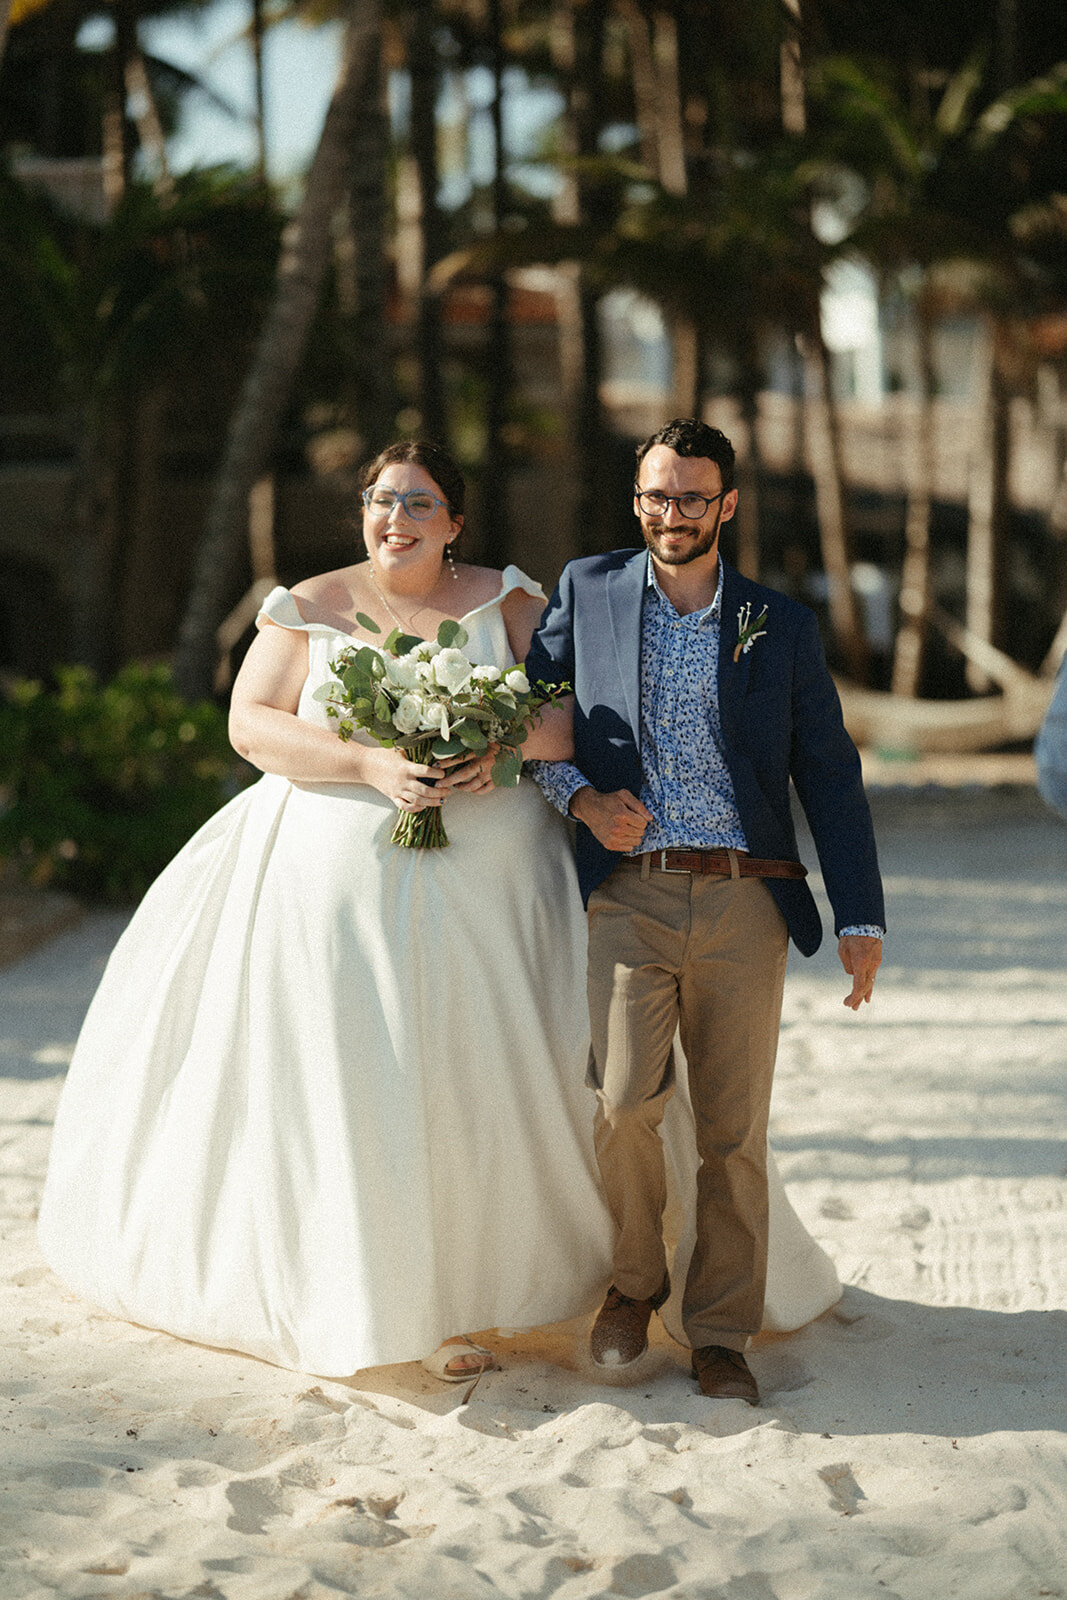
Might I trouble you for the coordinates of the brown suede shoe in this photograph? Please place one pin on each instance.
(724, 1374)
(620, 1332)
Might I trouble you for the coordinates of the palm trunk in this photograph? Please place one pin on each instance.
(305, 253)
(828, 469)
(910, 644)
(987, 507)
(424, 66)
(577, 50)
(258, 35)
(367, 219)
(149, 124)
(496, 539)
(653, 46)
(116, 133)
(748, 468)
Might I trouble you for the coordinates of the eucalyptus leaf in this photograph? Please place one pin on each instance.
(452, 634)
(472, 736)
(507, 770)
(448, 747)
(383, 710)
(367, 623)
(326, 691)
(405, 642)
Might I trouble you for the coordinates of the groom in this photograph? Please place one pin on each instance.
(698, 696)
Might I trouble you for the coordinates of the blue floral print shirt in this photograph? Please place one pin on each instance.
(687, 785)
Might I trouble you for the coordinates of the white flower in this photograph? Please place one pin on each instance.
(451, 669)
(402, 670)
(434, 718)
(517, 680)
(486, 674)
(408, 714)
(424, 673)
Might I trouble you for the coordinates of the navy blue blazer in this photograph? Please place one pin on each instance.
(781, 720)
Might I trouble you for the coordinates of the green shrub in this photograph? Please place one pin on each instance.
(100, 785)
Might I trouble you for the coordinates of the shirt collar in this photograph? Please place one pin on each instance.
(715, 608)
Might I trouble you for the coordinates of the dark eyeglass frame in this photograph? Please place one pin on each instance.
(707, 499)
(401, 499)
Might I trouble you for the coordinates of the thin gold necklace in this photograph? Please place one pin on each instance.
(405, 627)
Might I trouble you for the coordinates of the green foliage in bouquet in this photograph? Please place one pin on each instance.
(100, 785)
(429, 701)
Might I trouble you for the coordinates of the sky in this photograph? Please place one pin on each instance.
(300, 65)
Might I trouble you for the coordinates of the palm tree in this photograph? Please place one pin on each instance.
(943, 216)
(354, 123)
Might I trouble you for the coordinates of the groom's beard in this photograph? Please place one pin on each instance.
(698, 543)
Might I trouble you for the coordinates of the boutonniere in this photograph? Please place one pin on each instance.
(748, 631)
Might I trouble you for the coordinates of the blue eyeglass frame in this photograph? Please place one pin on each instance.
(401, 499)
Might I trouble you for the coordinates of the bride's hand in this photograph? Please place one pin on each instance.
(472, 775)
(406, 783)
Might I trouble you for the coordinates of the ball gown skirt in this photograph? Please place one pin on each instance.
(328, 1104)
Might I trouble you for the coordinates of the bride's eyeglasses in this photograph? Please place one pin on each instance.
(654, 502)
(418, 504)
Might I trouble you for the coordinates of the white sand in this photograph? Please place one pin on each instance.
(911, 1443)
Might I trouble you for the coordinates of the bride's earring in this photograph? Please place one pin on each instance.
(451, 563)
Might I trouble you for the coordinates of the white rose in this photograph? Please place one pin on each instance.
(517, 680)
(402, 670)
(433, 718)
(408, 714)
(486, 674)
(451, 669)
(424, 672)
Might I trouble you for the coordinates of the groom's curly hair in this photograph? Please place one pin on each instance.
(688, 436)
(433, 458)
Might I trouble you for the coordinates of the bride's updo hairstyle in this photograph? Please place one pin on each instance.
(433, 458)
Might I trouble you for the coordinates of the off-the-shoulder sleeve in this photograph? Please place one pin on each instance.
(515, 578)
(280, 607)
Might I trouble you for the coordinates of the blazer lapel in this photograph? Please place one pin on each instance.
(625, 588)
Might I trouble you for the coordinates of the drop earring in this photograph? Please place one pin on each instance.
(451, 563)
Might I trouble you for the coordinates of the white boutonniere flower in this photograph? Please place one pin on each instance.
(747, 630)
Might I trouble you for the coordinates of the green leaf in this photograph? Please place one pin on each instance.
(367, 623)
(507, 769)
(472, 736)
(383, 710)
(448, 747)
(398, 644)
(326, 691)
(452, 634)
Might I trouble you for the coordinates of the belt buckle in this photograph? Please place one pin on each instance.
(663, 867)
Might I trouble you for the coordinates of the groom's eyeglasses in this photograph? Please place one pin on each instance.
(418, 504)
(654, 502)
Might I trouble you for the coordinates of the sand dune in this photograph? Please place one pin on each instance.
(911, 1443)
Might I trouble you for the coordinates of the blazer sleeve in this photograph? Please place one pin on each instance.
(826, 773)
(550, 658)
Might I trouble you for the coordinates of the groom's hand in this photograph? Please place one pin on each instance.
(616, 820)
(861, 956)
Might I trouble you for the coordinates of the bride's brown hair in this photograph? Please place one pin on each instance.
(433, 458)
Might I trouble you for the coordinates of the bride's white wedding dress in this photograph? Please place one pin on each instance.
(328, 1105)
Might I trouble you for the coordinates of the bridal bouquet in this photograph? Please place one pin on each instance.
(430, 702)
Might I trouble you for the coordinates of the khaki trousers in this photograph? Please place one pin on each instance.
(705, 956)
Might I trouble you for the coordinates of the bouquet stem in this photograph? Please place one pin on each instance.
(420, 830)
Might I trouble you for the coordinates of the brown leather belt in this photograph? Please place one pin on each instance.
(727, 863)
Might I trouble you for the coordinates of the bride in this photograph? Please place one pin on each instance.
(328, 1105)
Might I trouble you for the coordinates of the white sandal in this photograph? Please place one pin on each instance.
(437, 1364)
